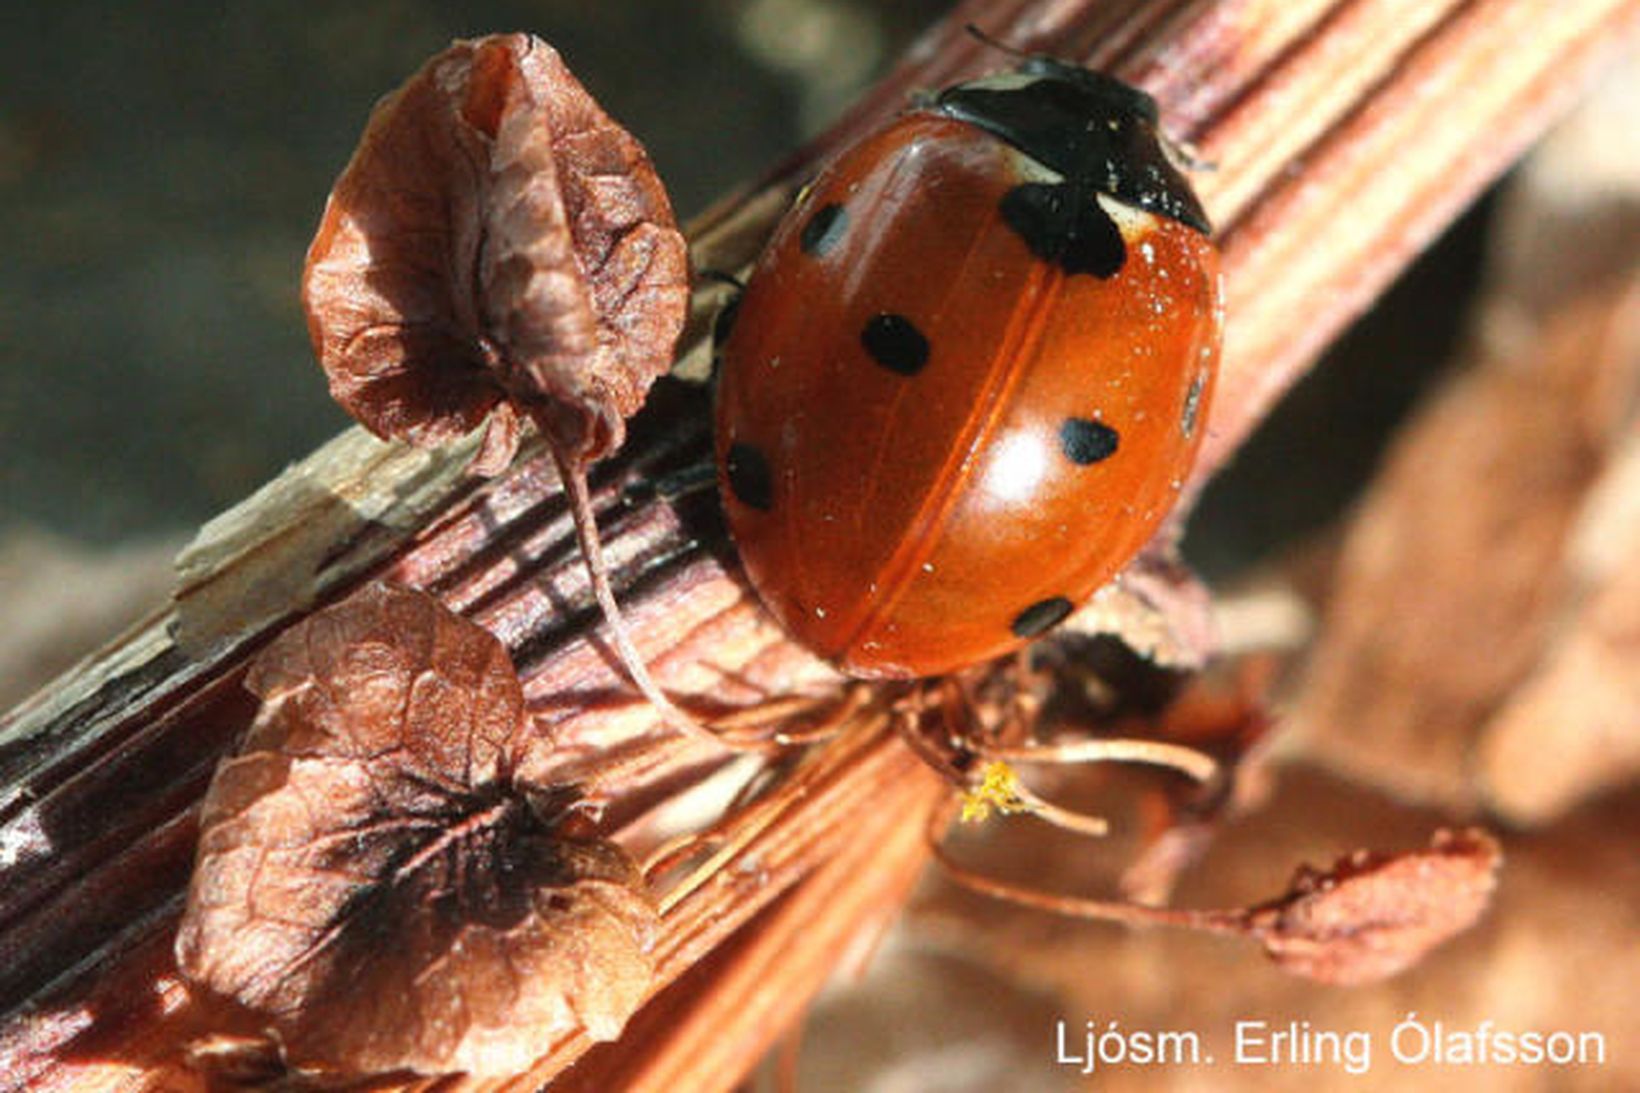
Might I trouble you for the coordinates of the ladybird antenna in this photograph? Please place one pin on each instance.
(995, 43)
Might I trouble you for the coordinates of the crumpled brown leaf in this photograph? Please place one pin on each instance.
(372, 883)
(497, 242)
(1371, 916)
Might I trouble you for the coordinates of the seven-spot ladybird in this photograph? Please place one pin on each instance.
(968, 377)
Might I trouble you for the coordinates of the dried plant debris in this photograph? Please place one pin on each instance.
(1372, 916)
(497, 243)
(1478, 645)
(1572, 727)
(1157, 606)
(374, 886)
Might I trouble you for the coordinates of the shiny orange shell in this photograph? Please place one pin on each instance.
(933, 444)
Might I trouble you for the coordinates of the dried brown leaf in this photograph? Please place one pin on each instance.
(373, 885)
(1372, 916)
(496, 241)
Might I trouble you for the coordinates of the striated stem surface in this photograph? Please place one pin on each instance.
(1345, 135)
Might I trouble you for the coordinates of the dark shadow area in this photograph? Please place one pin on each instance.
(1323, 441)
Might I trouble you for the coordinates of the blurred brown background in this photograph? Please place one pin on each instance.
(163, 166)
(161, 169)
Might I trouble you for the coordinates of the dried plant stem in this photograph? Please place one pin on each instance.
(1128, 914)
(1156, 753)
(1346, 133)
(573, 476)
(1094, 827)
(1011, 794)
(858, 804)
(1392, 168)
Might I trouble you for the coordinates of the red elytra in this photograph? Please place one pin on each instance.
(968, 377)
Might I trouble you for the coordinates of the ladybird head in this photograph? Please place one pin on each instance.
(1095, 90)
(1092, 129)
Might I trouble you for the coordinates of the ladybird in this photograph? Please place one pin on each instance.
(968, 377)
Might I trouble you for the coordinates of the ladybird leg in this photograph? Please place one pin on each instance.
(1184, 156)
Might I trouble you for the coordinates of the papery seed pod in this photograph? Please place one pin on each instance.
(496, 243)
(1373, 915)
(372, 883)
(499, 246)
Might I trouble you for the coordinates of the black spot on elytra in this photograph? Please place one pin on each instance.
(895, 343)
(1041, 617)
(1065, 226)
(824, 230)
(749, 477)
(1193, 405)
(1086, 442)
